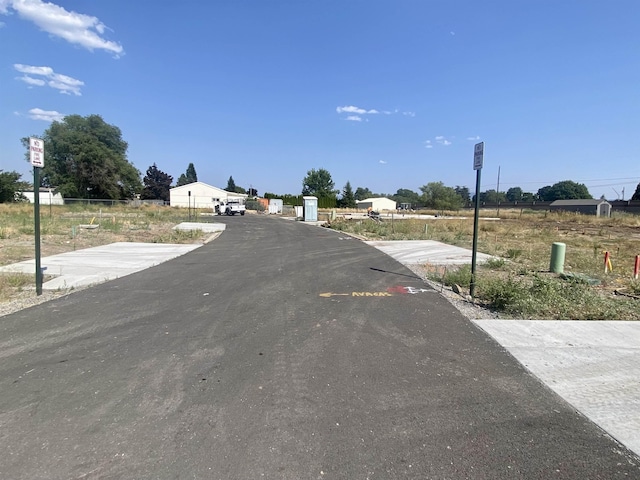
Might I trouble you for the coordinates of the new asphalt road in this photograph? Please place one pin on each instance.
(279, 351)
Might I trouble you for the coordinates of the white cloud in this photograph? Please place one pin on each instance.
(31, 81)
(64, 83)
(352, 109)
(442, 141)
(427, 144)
(439, 138)
(75, 28)
(357, 112)
(46, 115)
(383, 162)
(471, 139)
(46, 71)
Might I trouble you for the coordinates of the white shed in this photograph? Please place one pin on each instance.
(377, 204)
(47, 197)
(199, 195)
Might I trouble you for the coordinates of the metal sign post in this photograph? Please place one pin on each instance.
(36, 155)
(478, 160)
(189, 192)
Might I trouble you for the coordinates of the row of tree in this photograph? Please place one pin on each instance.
(438, 196)
(87, 158)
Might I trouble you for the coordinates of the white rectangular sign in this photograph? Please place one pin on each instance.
(478, 156)
(36, 152)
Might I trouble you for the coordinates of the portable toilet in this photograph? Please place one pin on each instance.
(310, 205)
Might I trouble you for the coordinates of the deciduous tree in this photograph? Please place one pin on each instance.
(10, 185)
(437, 195)
(319, 183)
(85, 157)
(565, 190)
(464, 194)
(404, 195)
(362, 193)
(514, 194)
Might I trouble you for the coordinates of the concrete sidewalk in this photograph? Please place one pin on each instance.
(96, 265)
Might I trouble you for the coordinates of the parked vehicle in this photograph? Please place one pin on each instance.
(230, 207)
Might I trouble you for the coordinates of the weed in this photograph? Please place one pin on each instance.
(495, 263)
(514, 253)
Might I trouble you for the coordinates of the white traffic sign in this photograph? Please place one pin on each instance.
(478, 156)
(36, 152)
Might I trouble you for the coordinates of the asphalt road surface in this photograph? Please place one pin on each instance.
(278, 351)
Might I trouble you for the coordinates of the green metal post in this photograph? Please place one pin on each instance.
(36, 214)
(472, 287)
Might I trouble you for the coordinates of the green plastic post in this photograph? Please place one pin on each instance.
(558, 250)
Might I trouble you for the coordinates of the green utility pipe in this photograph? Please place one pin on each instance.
(558, 250)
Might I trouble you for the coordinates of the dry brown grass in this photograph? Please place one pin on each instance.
(524, 240)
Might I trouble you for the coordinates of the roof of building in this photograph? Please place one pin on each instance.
(373, 199)
(583, 202)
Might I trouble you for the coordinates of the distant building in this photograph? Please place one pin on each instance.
(199, 195)
(47, 197)
(378, 204)
(599, 208)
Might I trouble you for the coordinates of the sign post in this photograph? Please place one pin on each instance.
(478, 161)
(36, 155)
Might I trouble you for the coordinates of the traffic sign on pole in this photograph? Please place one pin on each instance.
(36, 152)
(478, 156)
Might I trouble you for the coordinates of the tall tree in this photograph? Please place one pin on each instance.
(348, 199)
(156, 184)
(636, 195)
(437, 195)
(565, 190)
(191, 174)
(514, 194)
(189, 177)
(318, 183)
(85, 157)
(404, 195)
(231, 185)
(362, 193)
(10, 184)
(464, 194)
(492, 196)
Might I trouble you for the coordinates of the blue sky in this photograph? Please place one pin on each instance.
(386, 94)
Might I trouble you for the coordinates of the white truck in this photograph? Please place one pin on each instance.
(230, 206)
